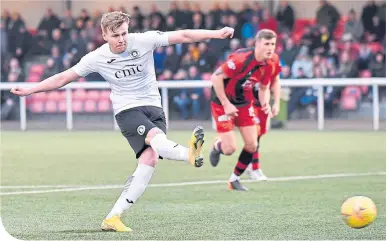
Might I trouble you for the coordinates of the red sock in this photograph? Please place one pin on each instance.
(244, 160)
(255, 162)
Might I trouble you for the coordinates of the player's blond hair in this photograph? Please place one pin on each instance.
(265, 34)
(113, 20)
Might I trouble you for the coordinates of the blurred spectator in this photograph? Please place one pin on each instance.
(91, 31)
(55, 55)
(327, 15)
(9, 109)
(307, 37)
(84, 16)
(382, 12)
(3, 41)
(257, 10)
(189, 98)
(176, 14)
(296, 93)
(233, 23)
(15, 68)
(365, 54)
(171, 23)
(136, 14)
(285, 72)
(353, 26)
(198, 21)
(333, 53)
(23, 44)
(50, 69)
(268, 21)
(13, 29)
(187, 61)
(378, 65)
(188, 15)
(6, 17)
(246, 13)
(302, 65)
(377, 30)
(249, 29)
(48, 23)
(290, 52)
(171, 61)
(348, 68)
(235, 44)
(369, 11)
(159, 58)
(67, 22)
(156, 18)
(285, 16)
(196, 9)
(206, 61)
(58, 40)
(194, 51)
(166, 75)
(215, 14)
(319, 65)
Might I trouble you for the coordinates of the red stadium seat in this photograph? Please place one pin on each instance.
(37, 69)
(41, 96)
(93, 94)
(79, 94)
(37, 107)
(34, 78)
(90, 106)
(104, 106)
(56, 95)
(62, 106)
(51, 106)
(105, 95)
(77, 106)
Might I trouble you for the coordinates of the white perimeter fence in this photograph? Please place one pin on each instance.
(165, 85)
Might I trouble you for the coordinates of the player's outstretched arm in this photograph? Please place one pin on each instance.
(54, 82)
(197, 35)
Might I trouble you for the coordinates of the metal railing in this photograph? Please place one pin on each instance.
(165, 85)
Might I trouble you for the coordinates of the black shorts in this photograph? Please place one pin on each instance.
(135, 123)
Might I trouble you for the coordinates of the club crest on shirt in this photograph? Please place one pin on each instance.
(231, 64)
(134, 53)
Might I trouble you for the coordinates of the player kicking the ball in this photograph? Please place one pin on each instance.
(254, 170)
(126, 62)
(232, 101)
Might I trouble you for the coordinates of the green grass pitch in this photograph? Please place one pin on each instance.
(293, 209)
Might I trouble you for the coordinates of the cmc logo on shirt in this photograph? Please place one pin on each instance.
(129, 70)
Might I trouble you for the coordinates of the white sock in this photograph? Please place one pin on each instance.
(234, 177)
(169, 149)
(134, 187)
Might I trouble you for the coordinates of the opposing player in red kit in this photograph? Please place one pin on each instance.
(232, 99)
(254, 170)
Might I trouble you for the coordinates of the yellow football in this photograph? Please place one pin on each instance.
(358, 211)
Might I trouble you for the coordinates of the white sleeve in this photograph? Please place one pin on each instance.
(156, 38)
(86, 65)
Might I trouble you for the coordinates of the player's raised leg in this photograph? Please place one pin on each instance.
(171, 150)
(250, 139)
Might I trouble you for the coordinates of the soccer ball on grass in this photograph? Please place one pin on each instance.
(358, 211)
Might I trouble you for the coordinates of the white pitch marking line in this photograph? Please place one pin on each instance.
(101, 187)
